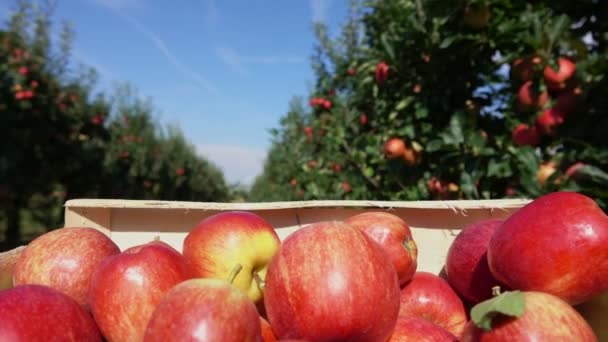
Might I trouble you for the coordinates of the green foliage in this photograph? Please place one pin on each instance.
(59, 140)
(451, 94)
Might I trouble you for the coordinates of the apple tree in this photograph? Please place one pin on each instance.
(428, 99)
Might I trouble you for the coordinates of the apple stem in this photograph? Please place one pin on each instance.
(235, 271)
(157, 238)
(496, 291)
(261, 283)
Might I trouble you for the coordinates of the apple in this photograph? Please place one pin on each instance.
(41, 313)
(331, 282)
(568, 101)
(573, 171)
(222, 241)
(411, 154)
(204, 310)
(524, 69)
(554, 244)
(8, 260)
(545, 170)
(394, 148)
(414, 329)
(547, 122)
(65, 260)
(430, 297)
(524, 135)
(381, 73)
(556, 79)
(543, 317)
(595, 311)
(466, 264)
(477, 16)
(529, 99)
(267, 333)
(126, 288)
(394, 236)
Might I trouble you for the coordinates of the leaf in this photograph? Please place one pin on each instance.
(447, 42)
(434, 145)
(392, 116)
(387, 46)
(510, 304)
(404, 103)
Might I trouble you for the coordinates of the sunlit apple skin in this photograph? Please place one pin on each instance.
(204, 310)
(546, 318)
(65, 260)
(331, 282)
(126, 288)
(38, 313)
(431, 297)
(394, 236)
(466, 265)
(217, 244)
(267, 333)
(556, 244)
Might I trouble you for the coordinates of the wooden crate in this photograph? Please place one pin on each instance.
(434, 223)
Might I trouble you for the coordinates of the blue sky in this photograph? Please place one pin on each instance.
(222, 70)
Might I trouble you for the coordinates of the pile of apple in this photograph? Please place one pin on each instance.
(350, 280)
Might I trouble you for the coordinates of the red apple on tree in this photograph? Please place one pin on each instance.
(545, 170)
(430, 297)
(204, 310)
(548, 121)
(40, 313)
(555, 244)
(126, 288)
(222, 241)
(529, 98)
(556, 79)
(524, 135)
(524, 69)
(64, 259)
(414, 329)
(466, 264)
(394, 148)
(526, 316)
(394, 236)
(331, 282)
(381, 74)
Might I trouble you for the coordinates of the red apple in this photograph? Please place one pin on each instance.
(8, 260)
(394, 148)
(544, 318)
(523, 69)
(477, 16)
(595, 311)
(548, 121)
(394, 236)
(65, 260)
(523, 135)
(555, 244)
(430, 297)
(556, 79)
(414, 329)
(568, 101)
(267, 333)
(222, 241)
(40, 313)
(330, 282)
(573, 170)
(467, 264)
(204, 310)
(382, 70)
(126, 288)
(528, 98)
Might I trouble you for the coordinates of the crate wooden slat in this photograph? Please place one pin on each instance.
(434, 223)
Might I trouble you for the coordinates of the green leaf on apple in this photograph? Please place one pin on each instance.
(510, 304)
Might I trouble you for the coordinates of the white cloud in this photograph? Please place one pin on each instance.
(319, 10)
(238, 62)
(159, 44)
(239, 163)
